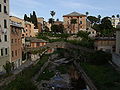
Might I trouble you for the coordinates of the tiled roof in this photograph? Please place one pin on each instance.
(75, 14)
(33, 39)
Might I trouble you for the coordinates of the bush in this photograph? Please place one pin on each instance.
(100, 57)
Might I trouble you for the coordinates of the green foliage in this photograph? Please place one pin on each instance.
(32, 18)
(105, 27)
(51, 20)
(73, 21)
(88, 43)
(63, 69)
(8, 67)
(46, 75)
(104, 76)
(42, 36)
(23, 81)
(52, 13)
(57, 28)
(83, 34)
(93, 19)
(100, 58)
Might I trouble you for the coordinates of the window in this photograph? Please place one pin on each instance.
(5, 23)
(5, 10)
(23, 35)
(15, 40)
(1, 52)
(5, 37)
(12, 41)
(38, 44)
(6, 51)
(0, 8)
(4, 1)
(80, 22)
(12, 54)
(0, 39)
(15, 52)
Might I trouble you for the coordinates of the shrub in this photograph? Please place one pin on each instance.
(100, 57)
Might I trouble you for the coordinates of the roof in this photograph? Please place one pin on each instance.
(33, 39)
(74, 14)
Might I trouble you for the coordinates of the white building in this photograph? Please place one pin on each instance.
(115, 21)
(4, 33)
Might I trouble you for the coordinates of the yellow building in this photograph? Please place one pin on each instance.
(74, 27)
(28, 30)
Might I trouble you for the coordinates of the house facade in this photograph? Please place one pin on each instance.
(115, 21)
(32, 42)
(4, 34)
(16, 43)
(80, 23)
(107, 44)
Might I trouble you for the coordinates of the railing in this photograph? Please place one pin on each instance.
(86, 78)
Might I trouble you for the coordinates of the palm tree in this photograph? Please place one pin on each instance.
(52, 14)
(87, 13)
(118, 16)
(113, 16)
(99, 17)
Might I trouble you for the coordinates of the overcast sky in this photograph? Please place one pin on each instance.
(43, 7)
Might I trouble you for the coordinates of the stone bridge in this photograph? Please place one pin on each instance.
(61, 45)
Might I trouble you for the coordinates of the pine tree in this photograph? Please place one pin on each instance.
(25, 17)
(34, 19)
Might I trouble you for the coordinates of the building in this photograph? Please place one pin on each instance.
(58, 23)
(118, 39)
(115, 21)
(40, 24)
(107, 44)
(92, 32)
(16, 43)
(28, 28)
(4, 34)
(34, 42)
(74, 27)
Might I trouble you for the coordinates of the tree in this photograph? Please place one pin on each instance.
(51, 20)
(113, 16)
(34, 19)
(52, 13)
(46, 29)
(87, 13)
(106, 23)
(25, 17)
(57, 28)
(99, 17)
(57, 19)
(118, 16)
(100, 57)
(83, 34)
(8, 67)
(92, 19)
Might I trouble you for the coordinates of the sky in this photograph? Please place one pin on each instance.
(61, 7)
